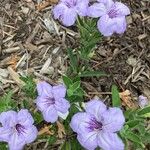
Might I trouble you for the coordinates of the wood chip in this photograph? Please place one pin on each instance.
(61, 129)
(46, 130)
(11, 49)
(15, 76)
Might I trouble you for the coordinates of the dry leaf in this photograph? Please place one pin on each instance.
(126, 98)
(46, 130)
(13, 61)
(45, 4)
(61, 130)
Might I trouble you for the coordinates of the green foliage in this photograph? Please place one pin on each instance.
(136, 129)
(75, 92)
(90, 36)
(3, 146)
(38, 118)
(30, 87)
(116, 102)
(6, 102)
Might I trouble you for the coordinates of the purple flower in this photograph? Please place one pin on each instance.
(68, 10)
(17, 129)
(112, 16)
(51, 101)
(143, 101)
(97, 126)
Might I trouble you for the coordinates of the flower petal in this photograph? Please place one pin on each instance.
(42, 103)
(25, 118)
(113, 120)
(50, 114)
(8, 119)
(106, 25)
(88, 140)
(120, 24)
(82, 7)
(44, 89)
(30, 134)
(110, 141)
(96, 108)
(16, 142)
(107, 3)
(5, 134)
(97, 10)
(59, 91)
(122, 9)
(79, 122)
(66, 15)
(62, 105)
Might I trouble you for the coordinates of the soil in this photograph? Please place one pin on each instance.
(32, 43)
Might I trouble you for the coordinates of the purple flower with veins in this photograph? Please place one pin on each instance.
(97, 126)
(68, 10)
(17, 129)
(51, 101)
(112, 16)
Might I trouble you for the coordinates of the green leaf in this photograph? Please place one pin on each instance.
(38, 118)
(92, 74)
(133, 123)
(116, 102)
(3, 146)
(73, 59)
(144, 111)
(67, 81)
(75, 86)
(134, 138)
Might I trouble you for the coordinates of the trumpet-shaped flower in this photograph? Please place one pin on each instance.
(97, 126)
(68, 10)
(17, 129)
(51, 101)
(112, 16)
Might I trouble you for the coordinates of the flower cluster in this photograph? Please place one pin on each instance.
(112, 14)
(97, 126)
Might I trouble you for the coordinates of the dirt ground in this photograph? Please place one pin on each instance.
(32, 43)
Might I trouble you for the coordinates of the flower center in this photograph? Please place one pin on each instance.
(50, 101)
(113, 12)
(71, 3)
(95, 125)
(20, 128)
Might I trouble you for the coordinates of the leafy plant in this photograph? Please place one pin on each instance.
(30, 87)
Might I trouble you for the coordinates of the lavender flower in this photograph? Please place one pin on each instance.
(17, 129)
(97, 126)
(143, 101)
(51, 101)
(67, 10)
(112, 16)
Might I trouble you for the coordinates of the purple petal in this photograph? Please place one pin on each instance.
(142, 101)
(97, 10)
(113, 120)
(62, 105)
(25, 118)
(120, 25)
(79, 122)
(66, 15)
(107, 3)
(59, 91)
(30, 134)
(122, 9)
(8, 119)
(106, 25)
(82, 7)
(44, 89)
(96, 108)
(50, 114)
(88, 141)
(110, 141)
(5, 134)
(16, 142)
